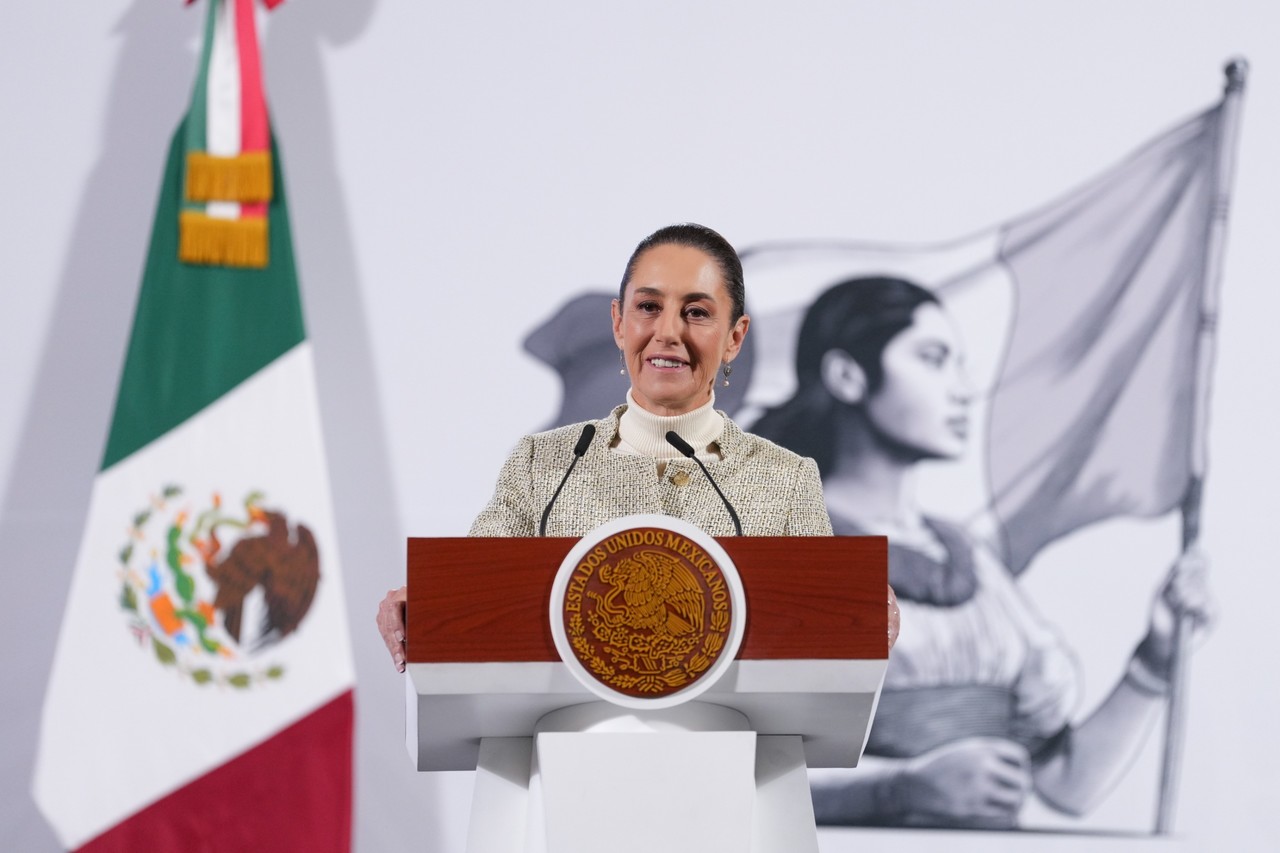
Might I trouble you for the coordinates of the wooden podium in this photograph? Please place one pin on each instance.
(486, 689)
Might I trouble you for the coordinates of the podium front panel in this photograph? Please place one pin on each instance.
(482, 662)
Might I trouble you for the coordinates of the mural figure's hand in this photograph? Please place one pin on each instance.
(1184, 593)
(391, 624)
(895, 618)
(978, 781)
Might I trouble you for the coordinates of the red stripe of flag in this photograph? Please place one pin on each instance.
(254, 132)
(292, 792)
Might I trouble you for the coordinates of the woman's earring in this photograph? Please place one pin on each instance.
(727, 369)
(622, 371)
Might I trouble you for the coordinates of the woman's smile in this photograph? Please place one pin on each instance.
(674, 326)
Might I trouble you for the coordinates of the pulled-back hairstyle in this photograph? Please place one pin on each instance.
(695, 237)
(859, 316)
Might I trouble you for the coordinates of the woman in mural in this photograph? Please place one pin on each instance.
(978, 697)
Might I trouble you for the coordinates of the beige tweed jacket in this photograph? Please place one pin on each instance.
(775, 492)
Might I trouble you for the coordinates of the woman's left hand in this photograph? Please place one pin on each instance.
(895, 618)
(1184, 594)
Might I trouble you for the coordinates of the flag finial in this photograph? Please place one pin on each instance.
(1236, 70)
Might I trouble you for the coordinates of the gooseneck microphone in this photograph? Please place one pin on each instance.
(584, 441)
(684, 447)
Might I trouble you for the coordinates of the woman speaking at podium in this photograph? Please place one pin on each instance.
(679, 322)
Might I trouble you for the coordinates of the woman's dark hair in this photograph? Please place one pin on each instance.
(859, 316)
(695, 237)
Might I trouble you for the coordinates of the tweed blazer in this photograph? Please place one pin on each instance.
(775, 492)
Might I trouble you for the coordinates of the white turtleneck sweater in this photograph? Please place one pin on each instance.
(642, 433)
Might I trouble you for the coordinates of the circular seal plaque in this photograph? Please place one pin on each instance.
(647, 611)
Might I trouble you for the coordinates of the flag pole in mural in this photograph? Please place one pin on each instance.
(1115, 340)
(202, 689)
(1216, 240)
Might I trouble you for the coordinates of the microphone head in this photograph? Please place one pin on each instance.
(584, 440)
(679, 443)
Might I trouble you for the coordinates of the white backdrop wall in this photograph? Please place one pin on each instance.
(456, 171)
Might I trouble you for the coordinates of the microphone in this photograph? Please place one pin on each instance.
(684, 447)
(584, 441)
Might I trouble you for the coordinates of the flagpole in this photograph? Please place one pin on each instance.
(1236, 71)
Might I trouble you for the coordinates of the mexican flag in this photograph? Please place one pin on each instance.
(202, 690)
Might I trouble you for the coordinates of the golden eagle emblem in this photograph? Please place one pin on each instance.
(647, 612)
(208, 588)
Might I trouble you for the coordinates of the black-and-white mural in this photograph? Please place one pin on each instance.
(1067, 354)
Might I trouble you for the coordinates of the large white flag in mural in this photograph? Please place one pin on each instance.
(1082, 321)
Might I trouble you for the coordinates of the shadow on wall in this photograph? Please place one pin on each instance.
(395, 805)
(60, 444)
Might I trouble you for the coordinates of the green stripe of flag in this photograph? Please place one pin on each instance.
(201, 330)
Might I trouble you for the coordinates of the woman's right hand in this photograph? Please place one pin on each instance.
(1184, 594)
(391, 624)
(977, 781)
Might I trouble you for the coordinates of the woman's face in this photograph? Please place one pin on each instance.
(673, 327)
(922, 406)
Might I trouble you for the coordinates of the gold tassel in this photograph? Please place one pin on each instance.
(243, 178)
(204, 239)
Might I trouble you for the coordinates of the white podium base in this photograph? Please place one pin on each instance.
(690, 779)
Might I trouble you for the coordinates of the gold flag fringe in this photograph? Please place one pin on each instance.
(243, 178)
(204, 239)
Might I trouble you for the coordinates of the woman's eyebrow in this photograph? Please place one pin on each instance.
(688, 297)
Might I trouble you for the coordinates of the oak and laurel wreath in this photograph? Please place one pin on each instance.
(163, 651)
(677, 676)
